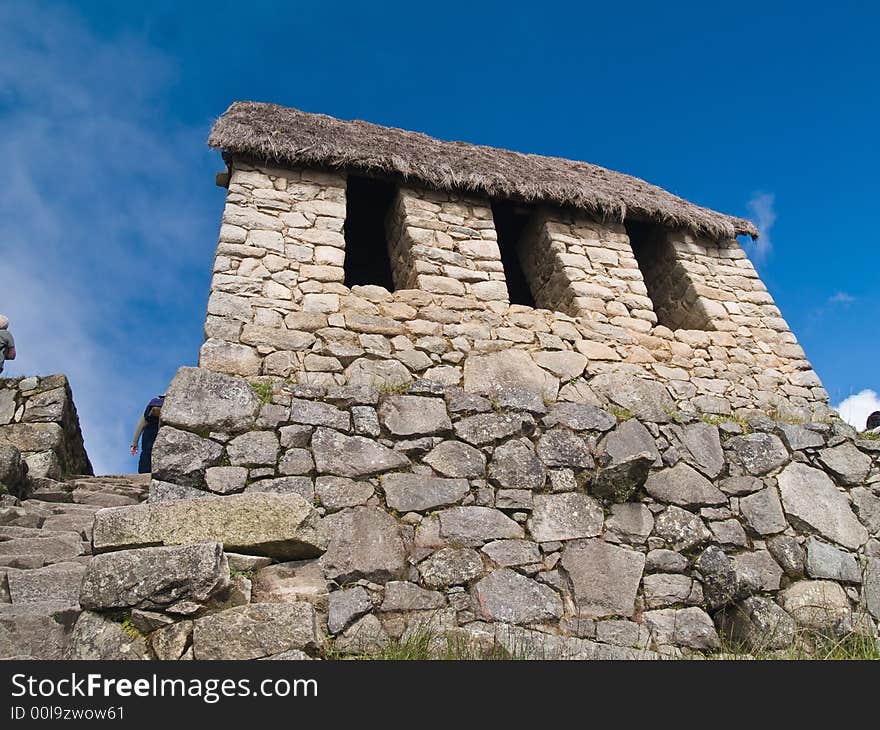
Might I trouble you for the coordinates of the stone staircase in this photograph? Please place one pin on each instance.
(45, 545)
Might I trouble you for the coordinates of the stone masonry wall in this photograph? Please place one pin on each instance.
(38, 420)
(278, 304)
(445, 244)
(554, 529)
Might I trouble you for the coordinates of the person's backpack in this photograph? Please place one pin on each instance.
(154, 409)
(873, 421)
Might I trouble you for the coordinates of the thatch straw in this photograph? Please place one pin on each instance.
(284, 136)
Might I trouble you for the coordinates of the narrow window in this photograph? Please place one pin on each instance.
(676, 302)
(510, 222)
(367, 202)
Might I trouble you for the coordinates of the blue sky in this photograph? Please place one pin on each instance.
(109, 215)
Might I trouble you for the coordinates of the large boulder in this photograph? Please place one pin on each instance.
(177, 579)
(687, 627)
(456, 459)
(450, 566)
(847, 463)
(203, 400)
(59, 582)
(418, 493)
(758, 624)
(36, 630)
(700, 446)
(758, 453)
(818, 605)
(813, 503)
(256, 630)
(474, 526)
(647, 400)
(285, 527)
(515, 465)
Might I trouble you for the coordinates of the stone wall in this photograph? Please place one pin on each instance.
(278, 305)
(38, 419)
(560, 527)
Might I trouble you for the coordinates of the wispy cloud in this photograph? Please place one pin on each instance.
(856, 409)
(105, 244)
(841, 297)
(763, 213)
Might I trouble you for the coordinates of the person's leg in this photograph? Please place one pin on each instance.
(145, 463)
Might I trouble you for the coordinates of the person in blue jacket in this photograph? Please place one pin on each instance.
(146, 431)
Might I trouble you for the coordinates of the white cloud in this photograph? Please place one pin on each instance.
(856, 409)
(106, 222)
(763, 212)
(841, 297)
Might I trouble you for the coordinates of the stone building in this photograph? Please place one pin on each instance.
(351, 253)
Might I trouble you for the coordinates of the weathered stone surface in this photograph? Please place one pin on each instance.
(203, 400)
(298, 580)
(629, 523)
(507, 596)
(182, 457)
(255, 448)
(365, 542)
(338, 493)
(412, 415)
(688, 627)
(353, 456)
(32, 436)
(52, 548)
(818, 605)
(59, 583)
(419, 493)
(682, 485)
(168, 492)
(628, 439)
(225, 479)
(300, 486)
(365, 637)
(315, 413)
(722, 585)
(828, 562)
(169, 643)
(450, 566)
(846, 463)
(700, 447)
(566, 516)
(763, 512)
(515, 465)
(757, 624)
(279, 526)
(473, 526)
(798, 438)
(647, 400)
(511, 553)
(666, 561)
(867, 506)
(729, 533)
(36, 630)
(871, 587)
(484, 428)
(670, 589)
(160, 578)
(509, 370)
(738, 486)
(812, 502)
(13, 469)
(456, 459)
(757, 570)
(579, 417)
(406, 596)
(347, 606)
(256, 630)
(561, 448)
(618, 479)
(758, 453)
(98, 637)
(564, 364)
(788, 554)
(605, 577)
(683, 530)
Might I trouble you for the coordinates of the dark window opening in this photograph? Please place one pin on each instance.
(676, 303)
(510, 222)
(367, 202)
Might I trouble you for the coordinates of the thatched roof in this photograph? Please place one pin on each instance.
(285, 136)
